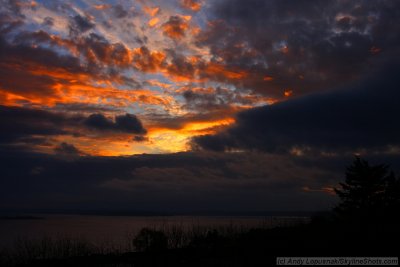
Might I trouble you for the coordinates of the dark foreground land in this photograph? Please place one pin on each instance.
(252, 247)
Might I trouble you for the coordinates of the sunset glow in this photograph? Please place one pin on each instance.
(183, 105)
(86, 64)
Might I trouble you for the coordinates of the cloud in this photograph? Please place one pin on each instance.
(140, 138)
(48, 21)
(175, 27)
(33, 72)
(80, 24)
(129, 123)
(148, 61)
(97, 49)
(18, 123)
(120, 11)
(362, 116)
(208, 99)
(305, 46)
(126, 123)
(193, 5)
(41, 130)
(181, 67)
(179, 182)
(67, 149)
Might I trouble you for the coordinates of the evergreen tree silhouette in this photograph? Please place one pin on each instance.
(369, 192)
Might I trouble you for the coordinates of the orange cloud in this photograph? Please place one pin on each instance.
(191, 5)
(93, 48)
(159, 84)
(153, 22)
(111, 144)
(146, 60)
(39, 85)
(114, 97)
(216, 69)
(175, 140)
(151, 11)
(176, 27)
(288, 93)
(104, 53)
(102, 7)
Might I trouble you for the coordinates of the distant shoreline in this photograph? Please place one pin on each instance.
(30, 214)
(21, 218)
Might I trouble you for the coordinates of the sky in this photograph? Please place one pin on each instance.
(193, 105)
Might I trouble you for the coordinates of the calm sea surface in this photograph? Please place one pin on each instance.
(119, 230)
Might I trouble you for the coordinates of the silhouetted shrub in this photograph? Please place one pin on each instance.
(149, 240)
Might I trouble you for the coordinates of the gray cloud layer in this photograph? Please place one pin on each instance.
(303, 45)
(180, 182)
(362, 116)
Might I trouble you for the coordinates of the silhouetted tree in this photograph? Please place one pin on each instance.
(369, 192)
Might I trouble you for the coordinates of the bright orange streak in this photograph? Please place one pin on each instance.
(151, 11)
(187, 18)
(102, 7)
(159, 84)
(153, 22)
(200, 126)
(288, 93)
(218, 69)
(168, 140)
(161, 140)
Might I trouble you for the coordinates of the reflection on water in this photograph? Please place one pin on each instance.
(119, 230)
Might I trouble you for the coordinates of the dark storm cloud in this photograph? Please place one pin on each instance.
(302, 45)
(171, 182)
(362, 116)
(83, 108)
(20, 125)
(125, 123)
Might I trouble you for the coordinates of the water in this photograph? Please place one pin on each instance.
(118, 231)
